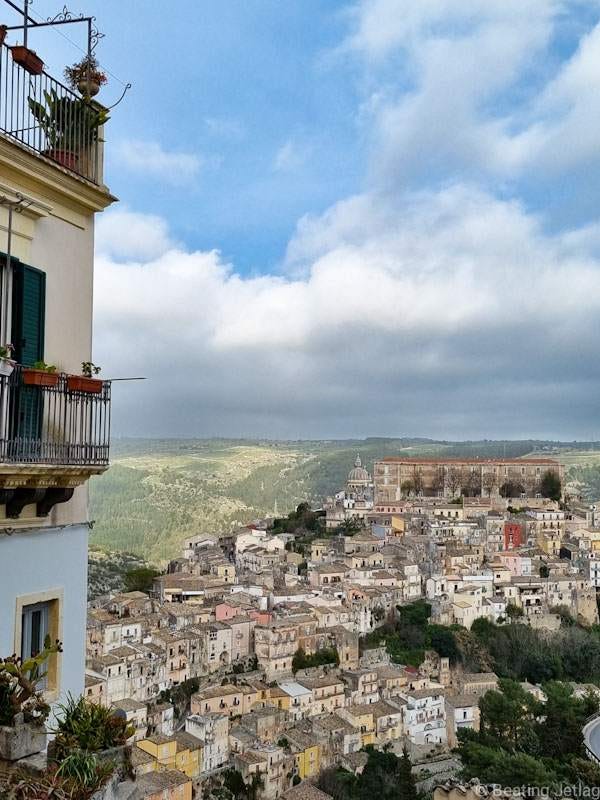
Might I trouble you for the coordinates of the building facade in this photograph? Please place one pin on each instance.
(396, 478)
(54, 428)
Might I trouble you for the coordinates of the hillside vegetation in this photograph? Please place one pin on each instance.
(159, 491)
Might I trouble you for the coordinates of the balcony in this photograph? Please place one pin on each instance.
(47, 118)
(52, 438)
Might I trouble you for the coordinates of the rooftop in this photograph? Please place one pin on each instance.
(305, 791)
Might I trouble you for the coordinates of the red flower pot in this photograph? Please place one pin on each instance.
(28, 59)
(39, 377)
(64, 157)
(79, 383)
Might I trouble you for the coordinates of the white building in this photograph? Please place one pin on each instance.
(213, 732)
(53, 427)
(425, 716)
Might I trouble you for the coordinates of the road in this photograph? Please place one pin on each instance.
(591, 736)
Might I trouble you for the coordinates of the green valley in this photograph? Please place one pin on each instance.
(158, 491)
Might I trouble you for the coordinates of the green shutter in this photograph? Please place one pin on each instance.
(28, 322)
(29, 306)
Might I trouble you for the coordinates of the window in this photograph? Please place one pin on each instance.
(38, 616)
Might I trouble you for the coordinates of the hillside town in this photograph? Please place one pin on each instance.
(429, 630)
(254, 650)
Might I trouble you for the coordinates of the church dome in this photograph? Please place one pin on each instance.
(358, 474)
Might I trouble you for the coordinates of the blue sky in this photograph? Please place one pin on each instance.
(369, 217)
(253, 91)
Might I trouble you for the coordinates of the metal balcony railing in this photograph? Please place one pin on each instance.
(53, 424)
(48, 118)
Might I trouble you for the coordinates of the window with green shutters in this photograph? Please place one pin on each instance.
(28, 322)
(28, 313)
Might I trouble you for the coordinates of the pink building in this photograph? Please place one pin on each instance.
(517, 564)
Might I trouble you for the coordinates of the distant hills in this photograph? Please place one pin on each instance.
(158, 491)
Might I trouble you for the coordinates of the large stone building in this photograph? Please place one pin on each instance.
(54, 425)
(396, 477)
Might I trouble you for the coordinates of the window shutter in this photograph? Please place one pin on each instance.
(29, 307)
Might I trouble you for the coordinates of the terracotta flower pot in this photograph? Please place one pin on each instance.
(39, 377)
(21, 740)
(79, 383)
(64, 157)
(3, 32)
(28, 59)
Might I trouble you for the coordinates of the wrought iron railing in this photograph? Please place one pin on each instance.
(53, 424)
(48, 118)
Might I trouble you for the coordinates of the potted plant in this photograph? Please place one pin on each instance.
(78, 777)
(91, 728)
(3, 32)
(70, 126)
(23, 709)
(7, 364)
(86, 76)
(85, 382)
(28, 59)
(41, 374)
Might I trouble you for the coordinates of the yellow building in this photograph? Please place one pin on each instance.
(360, 717)
(182, 752)
(398, 525)
(306, 751)
(279, 698)
(549, 542)
(226, 699)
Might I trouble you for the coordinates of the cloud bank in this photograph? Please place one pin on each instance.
(436, 302)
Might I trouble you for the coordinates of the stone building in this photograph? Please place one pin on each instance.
(395, 478)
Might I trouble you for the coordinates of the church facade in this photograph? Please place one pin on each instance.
(355, 501)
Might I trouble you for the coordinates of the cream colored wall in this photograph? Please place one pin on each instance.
(59, 240)
(64, 250)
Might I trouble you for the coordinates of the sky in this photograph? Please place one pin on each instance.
(346, 219)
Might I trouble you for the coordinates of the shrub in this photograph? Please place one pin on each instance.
(88, 726)
(19, 681)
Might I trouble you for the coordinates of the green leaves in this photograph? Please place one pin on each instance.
(69, 123)
(18, 685)
(89, 726)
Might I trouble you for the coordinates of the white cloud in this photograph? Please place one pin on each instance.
(445, 107)
(125, 235)
(462, 295)
(444, 311)
(152, 160)
(380, 26)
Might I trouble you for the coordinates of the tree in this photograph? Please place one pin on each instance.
(489, 483)
(550, 485)
(299, 660)
(443, 642)
(407, 488)
(514, 612)
(407, 789)
(454, 479)
(561, 727)
(140, 579)
(511, 489)
(418, 480)
(544, 571)
(437, 484)
(416, 613)
(473, 484)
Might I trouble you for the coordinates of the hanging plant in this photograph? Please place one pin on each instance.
(86, 76)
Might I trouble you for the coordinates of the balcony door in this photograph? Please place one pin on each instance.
(28, 320)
